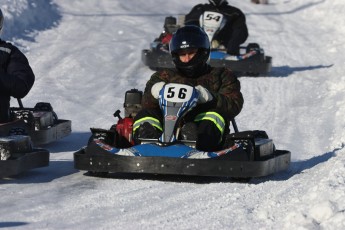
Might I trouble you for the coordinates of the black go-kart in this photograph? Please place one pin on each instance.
(18, 155)
(41, 123)
(244, 155)
(252, 63)
(252, 60)
(29, 128)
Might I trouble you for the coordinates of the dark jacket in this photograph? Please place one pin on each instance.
(16, 77)
(221, 83)
(235, 31)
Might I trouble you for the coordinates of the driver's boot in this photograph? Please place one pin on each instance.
(147, 131)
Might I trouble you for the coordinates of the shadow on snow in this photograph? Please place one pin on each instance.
(12, 224)
(39, 15)
(59, 165)
(285, 71)
(299, 167)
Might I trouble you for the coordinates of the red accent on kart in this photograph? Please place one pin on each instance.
(125, 127)
(166, 39)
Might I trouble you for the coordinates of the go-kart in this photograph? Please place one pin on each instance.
(18, 155)
(28, 128)
(244, 154)
(251, 61)
(41, 123)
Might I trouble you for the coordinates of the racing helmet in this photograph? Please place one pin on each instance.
(217, 2)
(190, 37)
(1, 21)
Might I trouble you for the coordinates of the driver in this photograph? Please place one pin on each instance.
(219, 101)
(232, 34)
(16, 75)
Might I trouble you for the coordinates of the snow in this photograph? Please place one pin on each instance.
(86, 54)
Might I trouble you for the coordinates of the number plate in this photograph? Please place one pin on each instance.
(174, 92)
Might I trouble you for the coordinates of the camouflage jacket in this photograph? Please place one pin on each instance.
(221, 83)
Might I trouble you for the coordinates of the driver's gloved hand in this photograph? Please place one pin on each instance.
(215, 44)
(147, 131)
(156, 88)
(204, 94)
